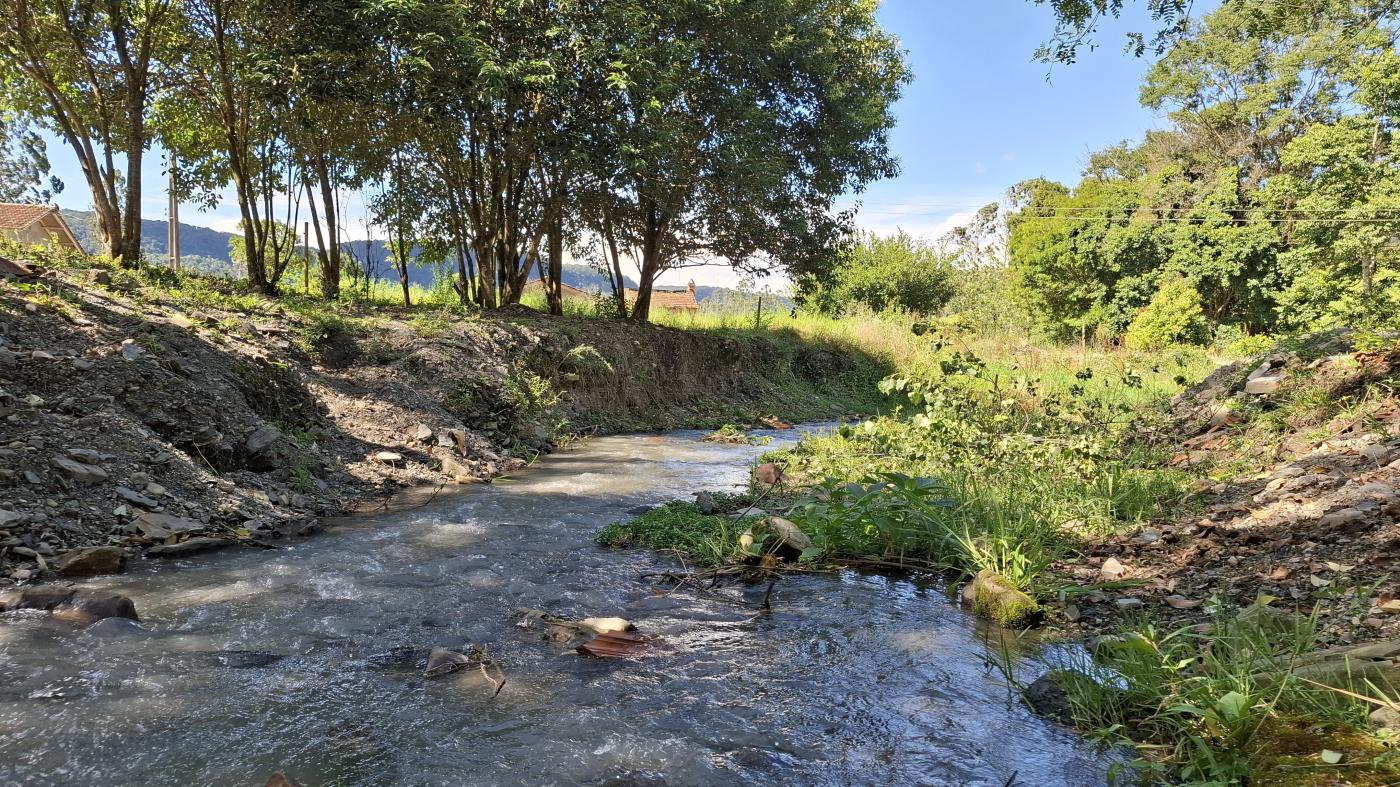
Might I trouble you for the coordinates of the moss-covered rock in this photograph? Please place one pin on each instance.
(994, 596)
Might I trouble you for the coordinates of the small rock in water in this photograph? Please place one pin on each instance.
(1047, 697)
(194, 546)
(247, 659)
(442, 661)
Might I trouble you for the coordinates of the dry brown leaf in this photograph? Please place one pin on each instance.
(1182, 602)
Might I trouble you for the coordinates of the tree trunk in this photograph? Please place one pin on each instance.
(554, 284)
(330, 256)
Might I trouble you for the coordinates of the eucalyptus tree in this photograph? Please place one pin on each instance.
(24, 163)
(87, 70)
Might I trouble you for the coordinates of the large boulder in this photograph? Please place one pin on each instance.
(91, 561)
(991, 595)
(83, 607)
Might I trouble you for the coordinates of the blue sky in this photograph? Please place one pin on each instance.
(981, 115)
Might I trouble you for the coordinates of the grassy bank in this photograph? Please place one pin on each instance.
(1005, 456)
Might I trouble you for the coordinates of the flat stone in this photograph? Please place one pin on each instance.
(1263, 385)
(8, 518)
(132, 496)
(132, 351)
(81, 472)
(420, 433)
(159, 527)
(388, 457)
(194, 546)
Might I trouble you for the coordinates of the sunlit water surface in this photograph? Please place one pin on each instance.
(249, 662)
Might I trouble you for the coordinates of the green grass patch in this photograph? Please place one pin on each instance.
(680, 528)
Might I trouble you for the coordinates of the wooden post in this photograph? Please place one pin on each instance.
(758, 313)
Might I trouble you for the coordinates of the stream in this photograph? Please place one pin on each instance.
(247, 662)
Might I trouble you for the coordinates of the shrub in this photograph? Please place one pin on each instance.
(1173, 317)
(893, 273)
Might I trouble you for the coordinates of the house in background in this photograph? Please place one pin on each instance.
(36, 225)
(569, 293)
(674, 300)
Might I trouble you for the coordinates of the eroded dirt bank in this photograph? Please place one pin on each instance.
(140, 418)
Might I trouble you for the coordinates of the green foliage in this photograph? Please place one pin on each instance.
(893, 273)
(1173, 317)
(678, 527)
(1209, 707)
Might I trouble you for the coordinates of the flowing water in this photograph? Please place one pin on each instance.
(248, 662)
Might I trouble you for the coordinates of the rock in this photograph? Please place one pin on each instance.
(34, 401)
(42, 355)
(86, 608)
(280, 779)
(193, 546)
(442, 661)
(607, 625)
(155, 490)
(91, 561)
(1129, 602)
(262, 438)
(100, 276)
(1263, 385)
(81, 472)
(131, 351)
(768, 474)
(1345, 520)
(181, 321)
(132, 496)
(420, 433)
(705, 503)
(1386, 717)
(991, 595)
(1147, 536)
(77, 606)
(159, 527)
(32, 477)
(116, 627)
(388, 457)
(8, 518)
(1111, 570)
(458, 471)
(1047, 697)
(787, 533)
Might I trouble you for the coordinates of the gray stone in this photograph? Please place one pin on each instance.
(194, 546)
(116, 627)
(159, 527)
(1263, 385)
(132, 351)
(81, 472)
(92, 561)
(262, 438)
(8, 518)
(1129, 602)
(420, 433)
(132, 496)
(705, 503)
(388, 457)
(100, 276)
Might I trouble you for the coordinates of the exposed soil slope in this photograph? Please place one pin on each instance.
(1304, 511)
(143, 416)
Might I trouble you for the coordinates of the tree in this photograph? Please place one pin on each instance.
(733, 126)
(86, 70)
(24, 164)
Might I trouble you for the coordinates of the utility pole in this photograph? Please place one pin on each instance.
(305, 254)
(172, 228)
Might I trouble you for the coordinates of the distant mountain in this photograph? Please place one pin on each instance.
(207, 250)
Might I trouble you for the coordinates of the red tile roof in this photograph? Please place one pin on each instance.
(14, 216)
(669, 299)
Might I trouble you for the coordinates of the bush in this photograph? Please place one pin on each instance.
(1173, 317)
(894, 273)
